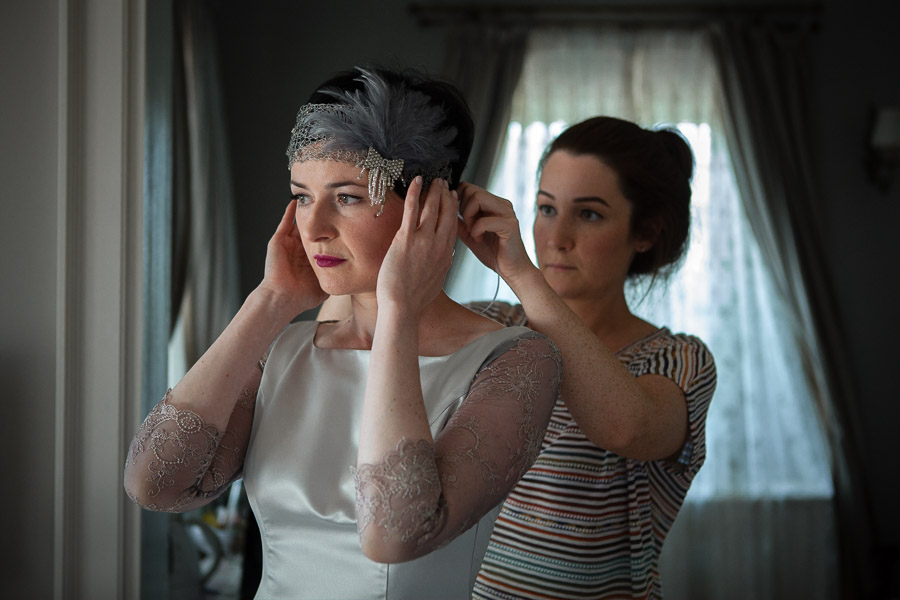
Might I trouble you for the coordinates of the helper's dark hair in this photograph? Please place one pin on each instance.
(442, 93)
(654, 168)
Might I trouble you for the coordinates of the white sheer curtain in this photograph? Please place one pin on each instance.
(758, 521)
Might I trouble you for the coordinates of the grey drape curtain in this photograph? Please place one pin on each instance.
(205, 262)
(764, 73)
(484, 62)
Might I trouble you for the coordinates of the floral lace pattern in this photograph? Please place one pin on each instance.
(420, 495)
(401, 494)
(177, 462)
(423, 494)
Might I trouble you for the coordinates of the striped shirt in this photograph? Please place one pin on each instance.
(585, 522)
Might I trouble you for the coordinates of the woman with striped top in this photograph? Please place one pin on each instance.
(626, 438)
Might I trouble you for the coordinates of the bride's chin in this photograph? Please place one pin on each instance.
(333, 288)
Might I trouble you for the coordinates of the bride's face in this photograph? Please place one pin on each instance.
(344, 241)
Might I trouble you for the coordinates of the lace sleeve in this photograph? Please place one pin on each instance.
(176, 462)
(422, 495)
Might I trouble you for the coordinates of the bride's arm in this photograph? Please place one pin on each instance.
(193, 442)
(421, 494)
(415, 493)
(409, 279)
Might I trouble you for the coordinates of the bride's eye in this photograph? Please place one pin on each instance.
(348, 200)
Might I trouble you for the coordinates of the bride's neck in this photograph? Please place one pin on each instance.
(357, 330)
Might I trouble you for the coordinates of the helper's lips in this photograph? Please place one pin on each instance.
(323, 260)
(558, 267)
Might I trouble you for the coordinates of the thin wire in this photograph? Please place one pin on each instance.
(496, 291)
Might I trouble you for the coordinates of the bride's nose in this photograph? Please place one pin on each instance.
(316, 222)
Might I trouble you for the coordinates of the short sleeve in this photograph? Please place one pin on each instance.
(688, 362)
(508, 315)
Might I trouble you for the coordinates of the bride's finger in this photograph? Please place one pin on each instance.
(287, 220)
(411, 206)
(432, 205)
(446, 226)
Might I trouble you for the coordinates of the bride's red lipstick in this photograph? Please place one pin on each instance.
(323, 260)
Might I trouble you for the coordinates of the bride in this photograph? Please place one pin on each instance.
(375, 449)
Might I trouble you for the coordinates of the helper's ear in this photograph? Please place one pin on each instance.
(646, 236)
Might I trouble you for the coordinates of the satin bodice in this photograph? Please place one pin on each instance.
(298, 479)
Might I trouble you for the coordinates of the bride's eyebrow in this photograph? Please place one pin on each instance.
(351, 183)
(336, 184)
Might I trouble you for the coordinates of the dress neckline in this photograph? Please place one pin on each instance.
(478, 340)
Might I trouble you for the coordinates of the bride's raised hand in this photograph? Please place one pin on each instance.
(420, 254)
(489, 228)
(288, 273)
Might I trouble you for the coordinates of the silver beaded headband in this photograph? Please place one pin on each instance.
(394, 132)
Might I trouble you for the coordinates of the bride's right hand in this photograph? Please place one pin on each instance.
(288, 273)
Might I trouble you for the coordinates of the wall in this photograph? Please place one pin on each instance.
(72, 118)
(28, 130)
(857, 68)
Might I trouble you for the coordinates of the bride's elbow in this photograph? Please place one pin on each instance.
(147, 493)
(379, 550)
(138, 493)
(413, 542)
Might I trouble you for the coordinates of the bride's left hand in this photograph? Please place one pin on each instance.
(416, 263)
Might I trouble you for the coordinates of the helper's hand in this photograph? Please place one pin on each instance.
(490, 229)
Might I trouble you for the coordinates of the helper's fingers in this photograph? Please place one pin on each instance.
(499, 226)
(477, 203)
(469, 201)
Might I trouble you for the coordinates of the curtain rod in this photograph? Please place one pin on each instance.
(429, 15)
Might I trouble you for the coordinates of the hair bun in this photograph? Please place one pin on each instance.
(678, 148)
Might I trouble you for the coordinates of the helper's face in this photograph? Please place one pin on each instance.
(582, 230)
(344, 241)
